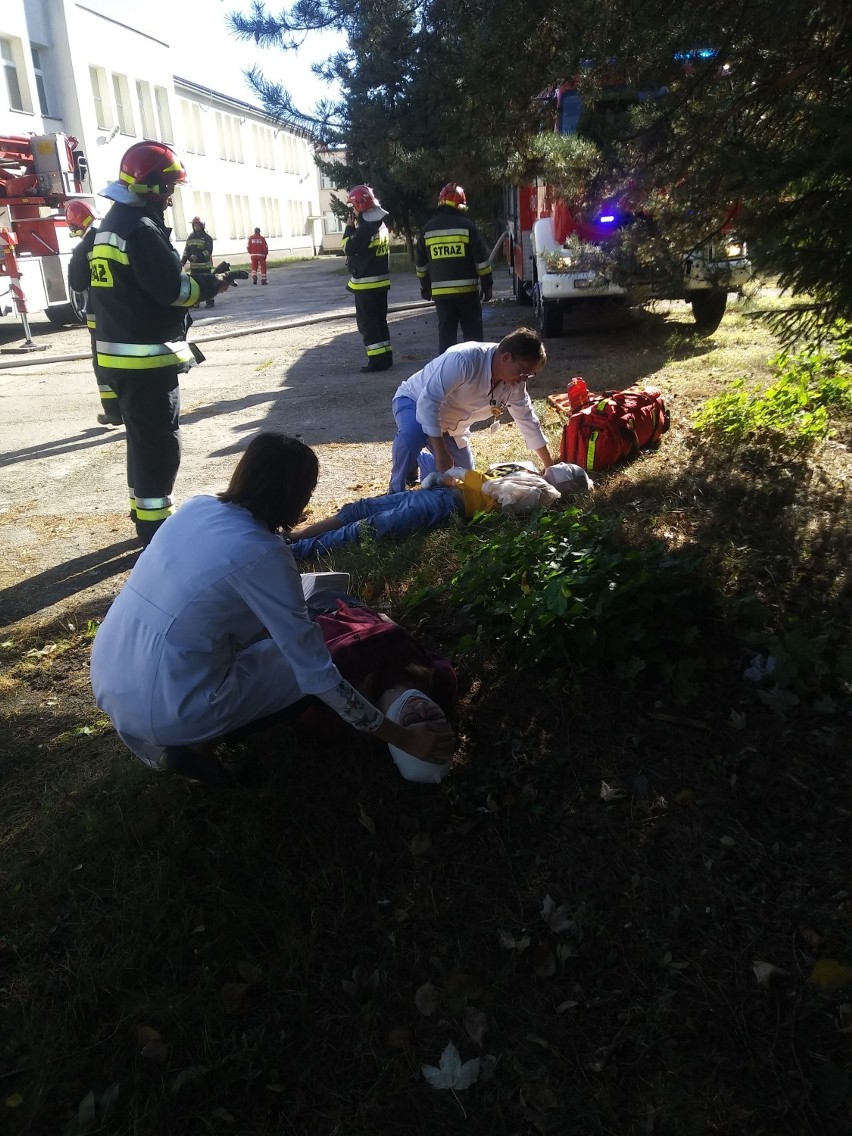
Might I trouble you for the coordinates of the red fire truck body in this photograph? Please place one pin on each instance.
(39, 174)
(557, 254)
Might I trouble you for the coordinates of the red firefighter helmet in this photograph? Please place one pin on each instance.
(454, 195)
(197, 221)
(152, 170)
(79, 216)
(361, 198)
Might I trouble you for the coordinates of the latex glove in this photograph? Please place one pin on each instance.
(429, 735)
(433, 480)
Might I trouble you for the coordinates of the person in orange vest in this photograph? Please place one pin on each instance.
(258, 250)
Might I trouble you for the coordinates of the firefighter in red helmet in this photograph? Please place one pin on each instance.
(452, 265)
(366, 243)
(141, 299)
(82, 222)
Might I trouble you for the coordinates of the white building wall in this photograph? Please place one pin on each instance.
(243, 171)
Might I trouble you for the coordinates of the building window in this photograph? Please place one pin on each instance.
(164, 115)
(100, 97)
(146, 109)
(39, 58)
(328, 182)
(123, 109)
(331, 224)
(192, 127)
(15, 86)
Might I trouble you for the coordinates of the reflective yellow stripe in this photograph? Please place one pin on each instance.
(106, 392)
(153, 514)
(107, 252)
(144, 362)
(363, 284)
(590, 450)
(378, 348)
(454, 289)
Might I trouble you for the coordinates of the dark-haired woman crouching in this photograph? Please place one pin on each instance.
(211, 633)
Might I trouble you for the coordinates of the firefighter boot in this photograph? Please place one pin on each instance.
(378, 363)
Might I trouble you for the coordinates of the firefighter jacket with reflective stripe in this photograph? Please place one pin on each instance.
(198, 250)
(451, 255)
(138, 294)
(257, 246)
(367, 249)
(79, 271)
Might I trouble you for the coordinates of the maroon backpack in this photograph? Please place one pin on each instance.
(613, 426)
(362, 642)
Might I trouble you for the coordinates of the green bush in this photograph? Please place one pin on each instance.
(795, 408)
(558, 589)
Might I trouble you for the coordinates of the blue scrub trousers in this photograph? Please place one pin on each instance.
(410, 440)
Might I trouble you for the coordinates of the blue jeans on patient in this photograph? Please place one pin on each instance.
(410, 441)
(394, 514)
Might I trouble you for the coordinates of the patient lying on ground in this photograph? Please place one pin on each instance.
(458, 492)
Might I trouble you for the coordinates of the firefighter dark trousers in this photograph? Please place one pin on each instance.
(371, 315)
(150, 405)
(109, 399)
(464, 309)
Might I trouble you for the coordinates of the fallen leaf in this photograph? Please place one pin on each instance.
(563, 1006)
(147, 1033)
(737, 720)
(811, 937)
(420, 843)
(451, 1073)
(367, 821)
(510, 944)
(189, 1076)
(829, 974)
(156, 1051)
(557, 918)
(612, 792)
(763, 972)
(426, 999)
(475, 1024)
(685, 798)
(14, 1100)
(488, 1067)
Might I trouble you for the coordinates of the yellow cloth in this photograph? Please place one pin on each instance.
(475, 501)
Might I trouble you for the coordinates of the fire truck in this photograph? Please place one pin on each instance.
(39, 173)
(559, 254)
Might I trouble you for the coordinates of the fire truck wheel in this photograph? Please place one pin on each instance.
(548, 313)
(70, 313)
(62, 314)
(708, 309)
(521, 290)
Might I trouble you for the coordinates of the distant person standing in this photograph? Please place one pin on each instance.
(198, 253)
(258, 250)
(82, 223)
(452, 266)
(366, 243)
